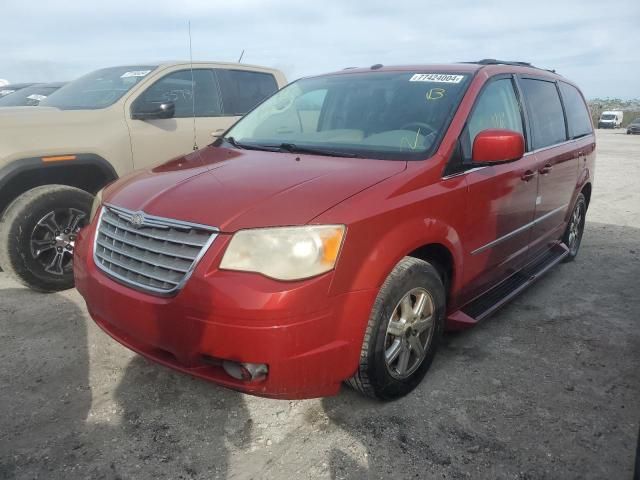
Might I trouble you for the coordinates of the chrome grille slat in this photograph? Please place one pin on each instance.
(159, 262)
(150, 253)
(170, 238)
(175, 251)
(110, 259)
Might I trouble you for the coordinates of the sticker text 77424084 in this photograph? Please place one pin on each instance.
(436, 77)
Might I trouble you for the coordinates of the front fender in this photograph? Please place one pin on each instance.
(367, 259)
(86, 171)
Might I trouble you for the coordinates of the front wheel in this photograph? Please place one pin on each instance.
(403, 331)
(37, 236)
(575, 228)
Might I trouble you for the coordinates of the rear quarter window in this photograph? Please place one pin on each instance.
(578, 116)
(243, 90)
(546, 116)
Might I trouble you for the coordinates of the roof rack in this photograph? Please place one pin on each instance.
(493, 61)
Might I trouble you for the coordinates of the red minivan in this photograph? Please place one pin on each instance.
(336, 230)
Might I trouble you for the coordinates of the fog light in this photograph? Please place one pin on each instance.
(245, 371)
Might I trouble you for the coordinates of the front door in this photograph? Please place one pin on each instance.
(198, 109)
(556, 161)
(501, 197)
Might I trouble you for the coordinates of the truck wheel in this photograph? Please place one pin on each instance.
(403, 332)
(575, 228)
(37, 236)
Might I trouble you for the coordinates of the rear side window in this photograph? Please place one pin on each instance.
(176, 87)
(242, 90)
(545, 112)
(577, 114)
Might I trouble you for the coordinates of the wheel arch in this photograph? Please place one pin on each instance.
(87, 172)
(365, 265)
(441, 258)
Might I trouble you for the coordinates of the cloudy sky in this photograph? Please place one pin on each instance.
(595, 43)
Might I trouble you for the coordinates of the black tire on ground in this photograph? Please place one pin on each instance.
(580, 208)
(373, 377)
(29, 251)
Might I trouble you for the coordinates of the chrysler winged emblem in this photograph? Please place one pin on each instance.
(137, 219)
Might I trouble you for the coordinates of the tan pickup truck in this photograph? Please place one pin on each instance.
(55, 157)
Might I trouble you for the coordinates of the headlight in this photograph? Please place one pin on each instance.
(285, 253)
(95, 206)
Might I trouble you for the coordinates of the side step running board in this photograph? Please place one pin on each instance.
(498, 296)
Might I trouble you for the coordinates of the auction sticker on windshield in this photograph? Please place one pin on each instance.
(436, 77)
(37, 97)
(135, 73)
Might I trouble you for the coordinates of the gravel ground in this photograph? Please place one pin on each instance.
(547, 388)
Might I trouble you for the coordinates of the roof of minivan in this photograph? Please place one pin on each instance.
(457, 68)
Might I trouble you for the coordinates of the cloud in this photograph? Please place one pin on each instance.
(590, 42)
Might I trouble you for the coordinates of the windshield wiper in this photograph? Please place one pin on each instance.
(246, 146)
(293, 148)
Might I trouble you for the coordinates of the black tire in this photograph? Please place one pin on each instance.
(373, 377)
(32, 218)
(573, 244)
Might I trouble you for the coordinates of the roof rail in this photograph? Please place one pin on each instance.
(493, 61)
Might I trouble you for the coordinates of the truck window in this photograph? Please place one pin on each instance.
(577, 114)
(242, 90)
(176, 87)
(545, 112)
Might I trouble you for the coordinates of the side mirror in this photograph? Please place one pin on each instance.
(495, 146)
(153, 110)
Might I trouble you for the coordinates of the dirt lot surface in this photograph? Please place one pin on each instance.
(547, 388)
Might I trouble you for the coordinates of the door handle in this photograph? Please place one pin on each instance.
(546, 169)
(528, 175)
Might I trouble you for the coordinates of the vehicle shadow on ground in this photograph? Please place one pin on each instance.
(154, 424)
(43, 383)
(545, 388)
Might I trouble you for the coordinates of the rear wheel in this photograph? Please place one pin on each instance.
(37, 236)
(403, 331)
(575, 228)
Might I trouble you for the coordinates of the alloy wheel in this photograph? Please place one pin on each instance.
(53, 239)
(576, 225)
(409, 333)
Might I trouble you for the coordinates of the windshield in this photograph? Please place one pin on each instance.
(98, 89)
(29, 96)
(608, 116)
(636, 121)
(386, 115)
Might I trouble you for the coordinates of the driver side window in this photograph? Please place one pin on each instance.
(176, 87)
(497, 107)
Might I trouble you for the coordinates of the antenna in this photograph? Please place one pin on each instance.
(241, 55)
(193, 91)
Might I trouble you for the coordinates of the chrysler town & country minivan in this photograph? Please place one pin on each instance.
(334, 232)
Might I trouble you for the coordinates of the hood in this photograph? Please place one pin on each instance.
(32, 131)
(234, 189)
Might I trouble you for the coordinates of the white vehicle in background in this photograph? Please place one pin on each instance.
(611, 119)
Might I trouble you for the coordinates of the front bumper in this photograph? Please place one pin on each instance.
(310, 340)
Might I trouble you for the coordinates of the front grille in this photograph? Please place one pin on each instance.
(149, 253)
